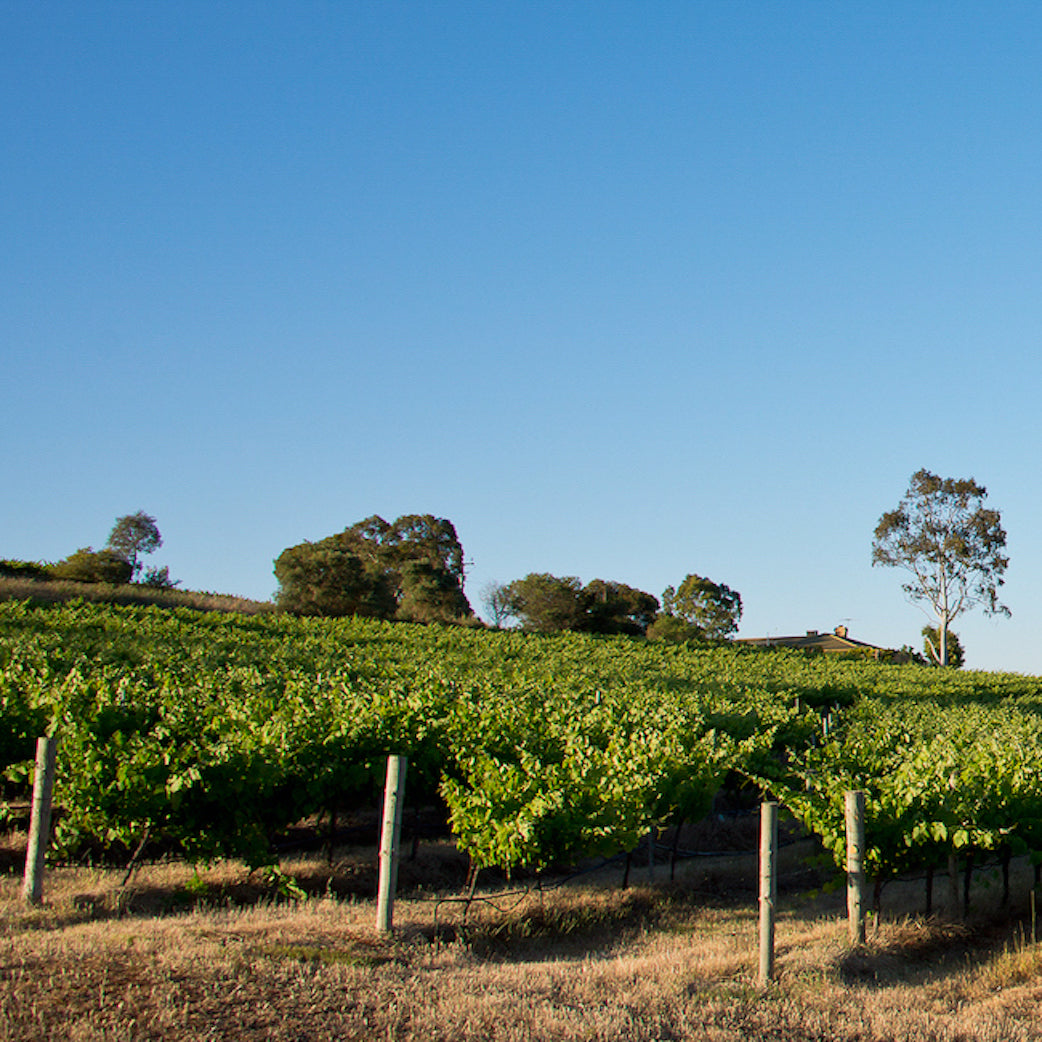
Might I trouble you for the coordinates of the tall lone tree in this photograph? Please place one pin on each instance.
(133, 535)
(950, 543)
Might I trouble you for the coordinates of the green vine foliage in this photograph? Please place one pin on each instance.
(938, 778)
(214, 732)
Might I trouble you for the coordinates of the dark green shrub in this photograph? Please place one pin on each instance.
(93, 566)
(159, 579)
(24, 570)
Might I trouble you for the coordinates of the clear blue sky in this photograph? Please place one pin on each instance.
(625, 290)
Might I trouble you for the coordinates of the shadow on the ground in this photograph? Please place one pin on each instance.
(921, 950)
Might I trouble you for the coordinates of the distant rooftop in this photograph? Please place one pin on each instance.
(838, 640)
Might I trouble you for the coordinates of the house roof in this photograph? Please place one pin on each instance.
(837, 640)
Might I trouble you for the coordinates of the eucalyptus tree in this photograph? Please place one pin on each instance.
(951, 545)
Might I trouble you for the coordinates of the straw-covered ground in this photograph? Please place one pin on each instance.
(215, 954)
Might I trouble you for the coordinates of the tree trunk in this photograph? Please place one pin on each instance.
(414, 853)
(943, 619)
(966, 884)
(331, 835)
(1006, 855)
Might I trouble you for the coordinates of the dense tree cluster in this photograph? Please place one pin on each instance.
(541, 603)
(544, 603)
(410, 569)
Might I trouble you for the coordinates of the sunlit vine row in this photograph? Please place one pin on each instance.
(214, 732)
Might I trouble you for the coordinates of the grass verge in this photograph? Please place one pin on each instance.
(215, 954)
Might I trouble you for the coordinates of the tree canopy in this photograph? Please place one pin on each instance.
(712, 607)
(325, 578)
(133, 535)
(614, 607)
(410, 569)
(951, 545)
(671, 629)
(545, 603)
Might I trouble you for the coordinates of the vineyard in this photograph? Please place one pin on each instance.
(211, 733)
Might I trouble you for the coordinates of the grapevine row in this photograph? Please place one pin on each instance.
(213, 732)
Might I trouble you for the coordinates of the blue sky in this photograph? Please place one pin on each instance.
(625, 290)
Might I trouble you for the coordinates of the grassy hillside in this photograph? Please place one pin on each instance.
(56, 591)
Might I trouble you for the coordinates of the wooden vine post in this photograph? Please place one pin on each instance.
(390, 841)
(40, 819)
(768, 888)
(855, 821)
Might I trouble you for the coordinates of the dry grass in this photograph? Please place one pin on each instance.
(217, 956)
(41, 591)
